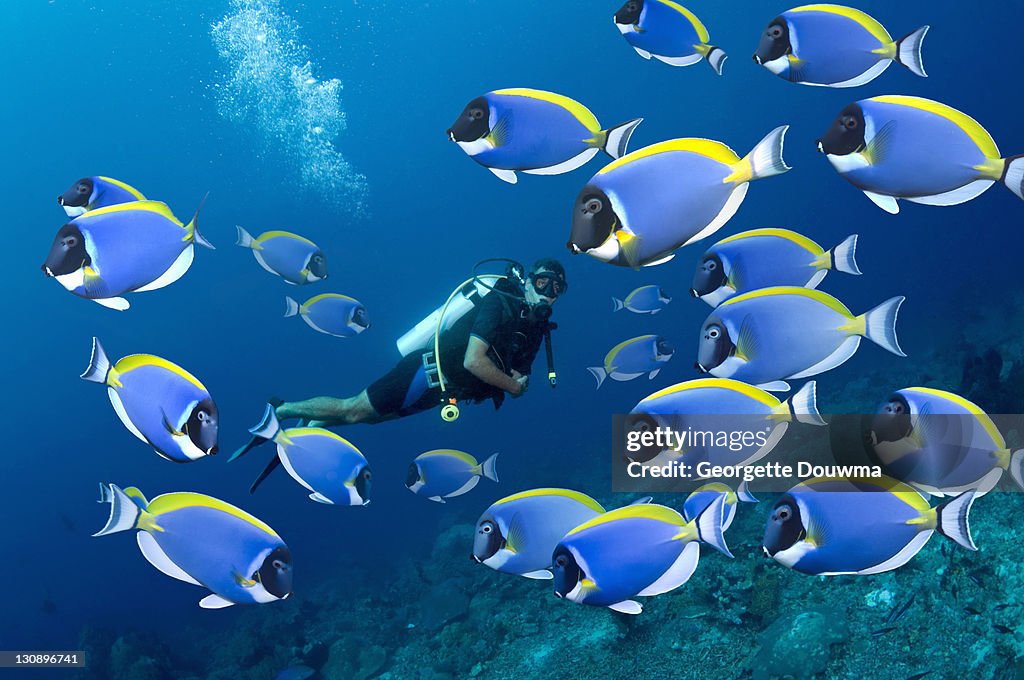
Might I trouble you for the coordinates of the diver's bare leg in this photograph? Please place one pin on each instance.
(321, 411)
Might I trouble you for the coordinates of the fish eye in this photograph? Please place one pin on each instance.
(783, 513)
(593, 205)
(711, 265)
(366, 474)
(775, 31)
(476, 114)
(713, 333)
(631, 7)
(486, 528)
(849, 122)
(561, 561)
(82, 188)
(278, 564)
(71, 242)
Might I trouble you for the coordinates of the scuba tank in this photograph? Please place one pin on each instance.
(465, 298)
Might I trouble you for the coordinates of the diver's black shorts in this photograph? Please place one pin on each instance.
(403, 390)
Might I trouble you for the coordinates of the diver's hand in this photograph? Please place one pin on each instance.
(523, 381)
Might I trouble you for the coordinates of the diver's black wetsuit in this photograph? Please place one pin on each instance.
(503, 322)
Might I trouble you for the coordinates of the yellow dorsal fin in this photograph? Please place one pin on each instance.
(580, 498)
(161, 505)
(869, 23)
(983, 418)
(135, 206)
(133, 361)
(579, 111)
(799, 239)
(971, 127)
(650, 511)
(816, 295)
(716, 151)
(754, 393)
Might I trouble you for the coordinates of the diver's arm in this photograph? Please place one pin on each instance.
(480, 365)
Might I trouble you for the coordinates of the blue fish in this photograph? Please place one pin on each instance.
(294, 258)
(329, 466)
(204, 541)
(124, 248)
(896, 147)
(764, 258)
(633, 358)
(767, 336)
(536, 132)
(635, 551)
(331, 313)
(444, 473)
(90, 193)
(668, 32)
(941, 443)
(830, 526)
(720, 404)
(701, 498)
(643, 300)
(638, 210)
(518, 533)
(159, 402)
(835, 46)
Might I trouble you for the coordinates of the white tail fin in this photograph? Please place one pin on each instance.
(268, 427)
(124, 513)
(716, 57)
(99, 364)
(245, 239)
(1013, 175)
(1017, 467)
(193, 227)
(954, 519)
(617, 304)
(291, 307)
(617, 138)
(844, 256)
(744, 495)
(489, 468)
(908, 51)
(766, 158)
(804, 405)
(599, 374)
(709, 525)
(880, 325)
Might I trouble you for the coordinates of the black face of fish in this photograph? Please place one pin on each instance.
(639, 423)
(774, 42)
(78, 195)
(663, 347)
(709, 277)
(276, 573)
(364, 479)
(487, 541)
(413, 475)
(785, 527)
(472, 123)
(892, 421)
(361, 318)
(318, 265)
(630, 12)
(202, 427)
(67, 254)
(567, 572)
(593, 220)
(715, 346)
(663, 295)
(846, 134)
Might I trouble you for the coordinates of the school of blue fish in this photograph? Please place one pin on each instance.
(769, 325)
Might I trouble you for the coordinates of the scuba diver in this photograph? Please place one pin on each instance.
(481, 347)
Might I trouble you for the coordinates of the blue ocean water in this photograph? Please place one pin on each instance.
(153, 94)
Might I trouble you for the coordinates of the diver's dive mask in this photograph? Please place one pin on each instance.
(549, 284)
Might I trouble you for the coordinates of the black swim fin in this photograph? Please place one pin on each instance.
(271, 466)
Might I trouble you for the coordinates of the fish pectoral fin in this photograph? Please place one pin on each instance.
(213, 601)
(243, 581)
(877, 148)
(627, 607)
(747, 343)
(515, 540)
(539, 575)
(629, 246)
(169, 426)
(501, 132)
